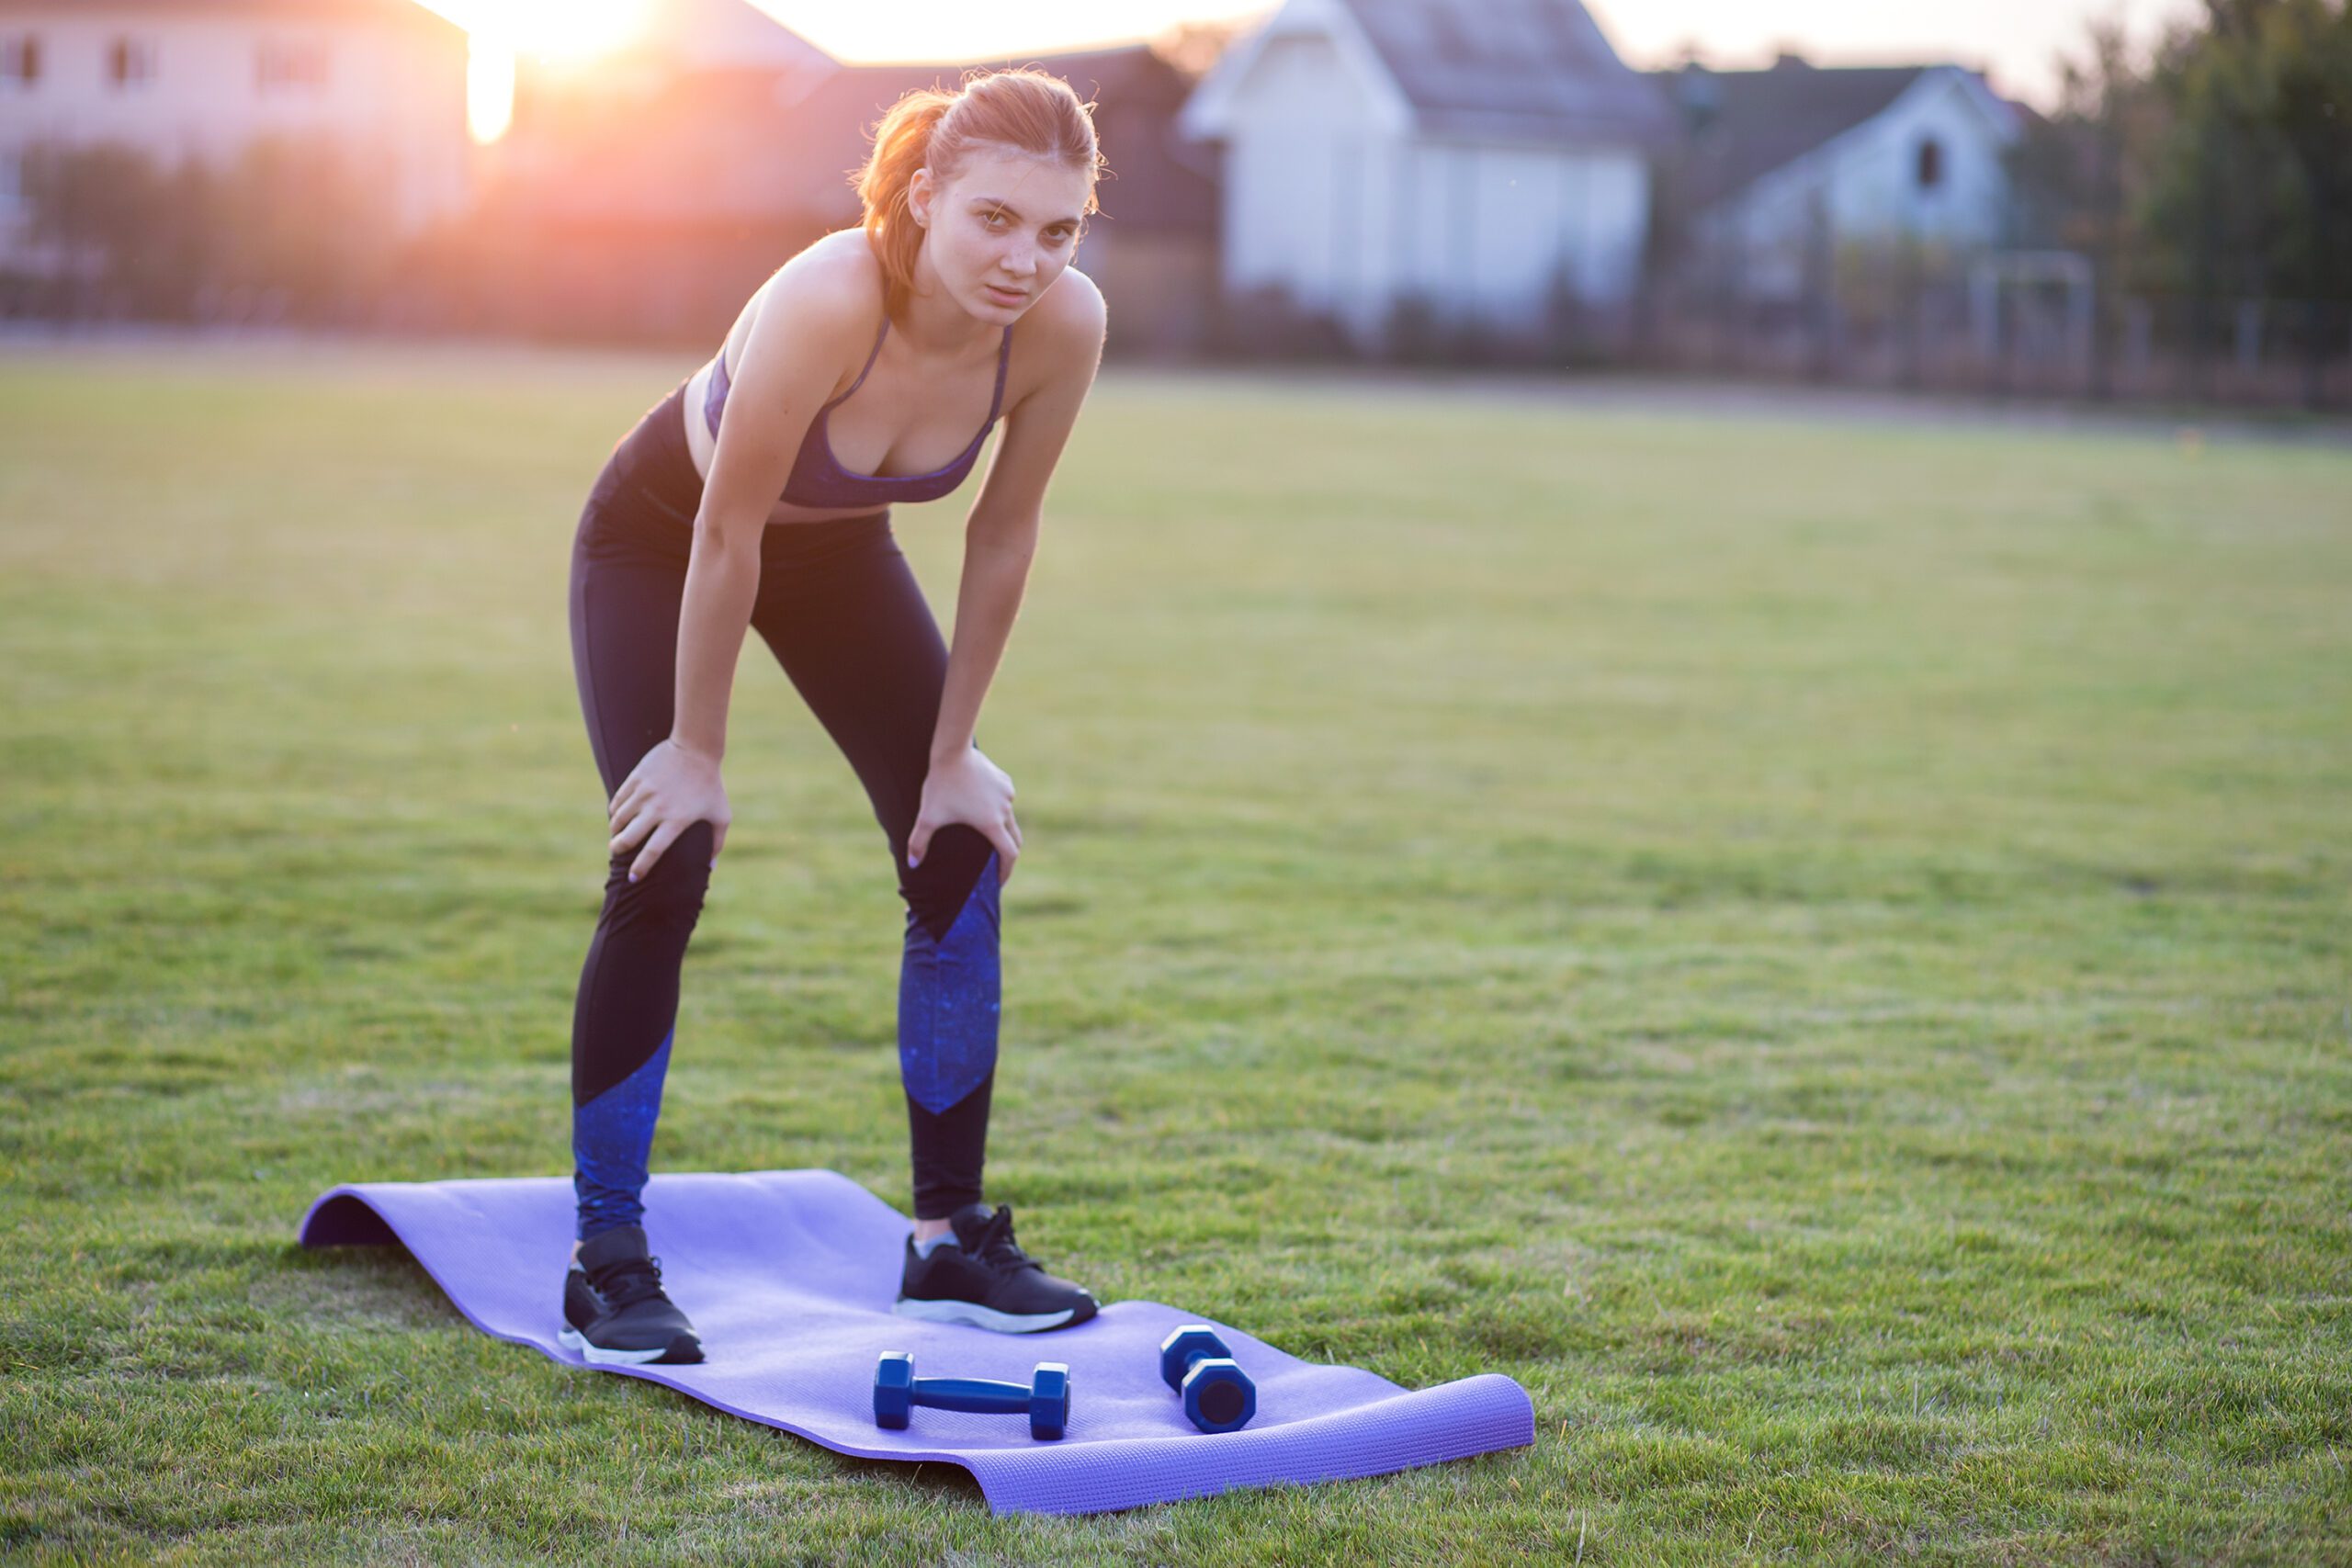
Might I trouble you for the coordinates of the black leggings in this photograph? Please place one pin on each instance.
(843, 615)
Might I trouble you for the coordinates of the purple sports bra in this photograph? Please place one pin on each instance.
(818, 479)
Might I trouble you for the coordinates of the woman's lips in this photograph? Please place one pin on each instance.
(1007, 296)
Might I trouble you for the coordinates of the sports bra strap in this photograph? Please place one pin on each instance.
(870, 358)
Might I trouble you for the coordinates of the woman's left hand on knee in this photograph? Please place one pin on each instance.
(972, 790)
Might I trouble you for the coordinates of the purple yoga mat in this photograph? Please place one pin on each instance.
(788, 1276)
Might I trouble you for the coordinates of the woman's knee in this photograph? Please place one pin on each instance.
(936, 891)
(673, 890)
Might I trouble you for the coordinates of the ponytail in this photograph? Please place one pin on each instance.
(901, 145)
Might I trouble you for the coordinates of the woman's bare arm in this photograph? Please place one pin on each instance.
(999, 540)
(1001, 534)
(811, 323)
(814, 316)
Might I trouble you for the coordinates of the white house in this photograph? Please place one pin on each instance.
(1467, 152)
(1784, 164)
(183, 79)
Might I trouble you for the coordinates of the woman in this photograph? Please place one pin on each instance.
(851, 379)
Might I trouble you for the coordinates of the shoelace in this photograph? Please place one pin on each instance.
(627, 1281)
(996, 1246)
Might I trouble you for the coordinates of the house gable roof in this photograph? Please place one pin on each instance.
(730, 35)
(1491, 70)
(1508, 69)
(1743, 125)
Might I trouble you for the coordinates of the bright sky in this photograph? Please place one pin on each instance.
(2015, 39)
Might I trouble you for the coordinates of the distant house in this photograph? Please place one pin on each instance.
(659, 214)
(204, 79)
(1485, 157)
(1782, 166)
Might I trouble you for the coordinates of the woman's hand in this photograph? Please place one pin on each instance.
(972, 790)
(670, 790)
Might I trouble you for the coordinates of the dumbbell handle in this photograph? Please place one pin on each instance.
(983, 1396)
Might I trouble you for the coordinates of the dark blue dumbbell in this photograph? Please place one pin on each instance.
(897, 1391)
(1218, 1395)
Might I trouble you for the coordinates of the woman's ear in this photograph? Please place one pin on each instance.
(919, 197)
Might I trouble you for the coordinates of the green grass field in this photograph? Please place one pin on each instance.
(1822, 950)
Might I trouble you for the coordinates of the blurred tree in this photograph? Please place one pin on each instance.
(294, 224)
(2219, 168)
(2252, 196)
(116, 233)
(2082, 175)
(306, 220)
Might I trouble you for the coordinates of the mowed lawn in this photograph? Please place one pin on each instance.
(1824, 950)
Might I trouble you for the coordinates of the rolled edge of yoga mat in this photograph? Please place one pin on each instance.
(478, 1231)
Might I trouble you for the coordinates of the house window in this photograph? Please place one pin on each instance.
(280, 64)
(20, 60)
(131, 62)
(12, 182)
(1931, 164)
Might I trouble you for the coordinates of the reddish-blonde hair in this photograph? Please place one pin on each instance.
(1024, 109)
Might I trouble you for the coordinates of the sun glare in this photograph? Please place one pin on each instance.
(556, 32)
(561, 30)
(490, 89)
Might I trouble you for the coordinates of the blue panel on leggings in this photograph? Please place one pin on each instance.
(611, 1138)
(948, 1000)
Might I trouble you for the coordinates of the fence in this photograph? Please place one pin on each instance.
(2015, 327)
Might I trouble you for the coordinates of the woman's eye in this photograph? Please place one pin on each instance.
(993, 218)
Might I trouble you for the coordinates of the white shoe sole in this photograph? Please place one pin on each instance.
(980, 1317)
(572, 1340)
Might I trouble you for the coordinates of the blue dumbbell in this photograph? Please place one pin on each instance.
(897, 1391)
(1218, 1395)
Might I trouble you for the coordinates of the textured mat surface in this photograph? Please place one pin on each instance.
(788, 1276)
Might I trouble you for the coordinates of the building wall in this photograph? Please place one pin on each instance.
(1484, 228)
(1292, 171)
(392, 88)
(1321, 197)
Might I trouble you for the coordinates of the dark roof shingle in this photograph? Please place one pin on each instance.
(1506, 68)
(1744, 124)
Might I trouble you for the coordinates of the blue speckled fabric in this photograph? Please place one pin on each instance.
(611, 1138)
(949, 1000)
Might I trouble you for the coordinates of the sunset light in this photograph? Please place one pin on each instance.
(489, 88)
(564, 32)
(550, 29)
(2018, 39)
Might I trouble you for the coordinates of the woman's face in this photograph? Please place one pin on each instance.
(997, 235)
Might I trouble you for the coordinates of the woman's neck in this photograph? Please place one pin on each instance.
(936, 327)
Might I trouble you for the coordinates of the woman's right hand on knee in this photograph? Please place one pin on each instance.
(672, 788)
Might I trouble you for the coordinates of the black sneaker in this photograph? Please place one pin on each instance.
(615, 1313)
(981, 1277)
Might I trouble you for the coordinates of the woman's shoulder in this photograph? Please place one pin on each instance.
(1070, 318)
(845, 257)
(835, 277)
